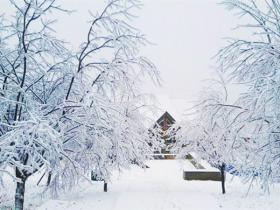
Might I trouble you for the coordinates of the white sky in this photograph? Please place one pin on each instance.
(186, 33)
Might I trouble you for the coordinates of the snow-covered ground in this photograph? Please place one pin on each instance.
(161, 187)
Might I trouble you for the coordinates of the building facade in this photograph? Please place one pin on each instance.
(167, 135)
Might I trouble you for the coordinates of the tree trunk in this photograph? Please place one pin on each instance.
(49, 178)
(222, 169)
(20, 189)
(105, 186)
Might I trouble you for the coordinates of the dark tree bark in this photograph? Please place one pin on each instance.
(20, 190)
(105, 186)
(49, 178)
(222, 169)
(39, 181)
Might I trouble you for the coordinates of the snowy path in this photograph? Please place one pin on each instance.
(161, 187)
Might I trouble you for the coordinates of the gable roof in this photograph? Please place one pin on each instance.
(168, 116)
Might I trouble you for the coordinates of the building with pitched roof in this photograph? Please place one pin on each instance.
(165, 122)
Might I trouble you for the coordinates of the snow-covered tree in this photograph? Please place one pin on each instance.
(104, 86)
(33, 69)
(254, 62)
(65, 112)
(245, 132)
(208, 133)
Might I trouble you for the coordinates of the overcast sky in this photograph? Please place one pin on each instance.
(186, 33)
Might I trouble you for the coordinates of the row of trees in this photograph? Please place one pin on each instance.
(244, 132)
(66, 113)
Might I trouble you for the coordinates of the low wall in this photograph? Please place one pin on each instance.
(202, 175)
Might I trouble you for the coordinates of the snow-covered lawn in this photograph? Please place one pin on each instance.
(161, 187)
